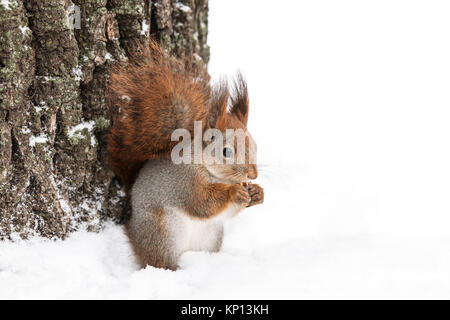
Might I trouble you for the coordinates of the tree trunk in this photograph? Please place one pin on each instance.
(54, 116)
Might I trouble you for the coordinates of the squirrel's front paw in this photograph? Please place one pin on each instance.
(239, 194)
(256, 193)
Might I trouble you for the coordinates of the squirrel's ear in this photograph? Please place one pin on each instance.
(239, 101)
(219, 102)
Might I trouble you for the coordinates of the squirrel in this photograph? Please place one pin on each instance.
(176, 207)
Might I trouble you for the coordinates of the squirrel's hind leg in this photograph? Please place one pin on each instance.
(150, 241)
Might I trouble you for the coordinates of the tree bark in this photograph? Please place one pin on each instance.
(54, 117)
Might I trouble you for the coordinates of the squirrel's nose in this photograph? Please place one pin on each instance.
(252, 172)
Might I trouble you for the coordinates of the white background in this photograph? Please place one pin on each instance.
(350, 107)
(356, 95)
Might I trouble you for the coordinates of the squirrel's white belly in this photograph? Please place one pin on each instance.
(195, 234)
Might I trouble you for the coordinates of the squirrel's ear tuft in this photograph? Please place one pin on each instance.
(239, 100)
(219, 102)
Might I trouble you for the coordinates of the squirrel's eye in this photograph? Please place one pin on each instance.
(227, 152)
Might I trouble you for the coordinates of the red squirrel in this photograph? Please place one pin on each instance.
(176, 207)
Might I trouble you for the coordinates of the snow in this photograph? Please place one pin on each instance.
(6, 4)
(349, 107)
(76, 130)
(24, 29)
(91, 266)
(64, 204)
(182, 7)
(145, 27)
(42, 138)
(42, 105)
(78, 73)
(108, 57)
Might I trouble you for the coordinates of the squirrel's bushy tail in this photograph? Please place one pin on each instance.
(154, 94)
